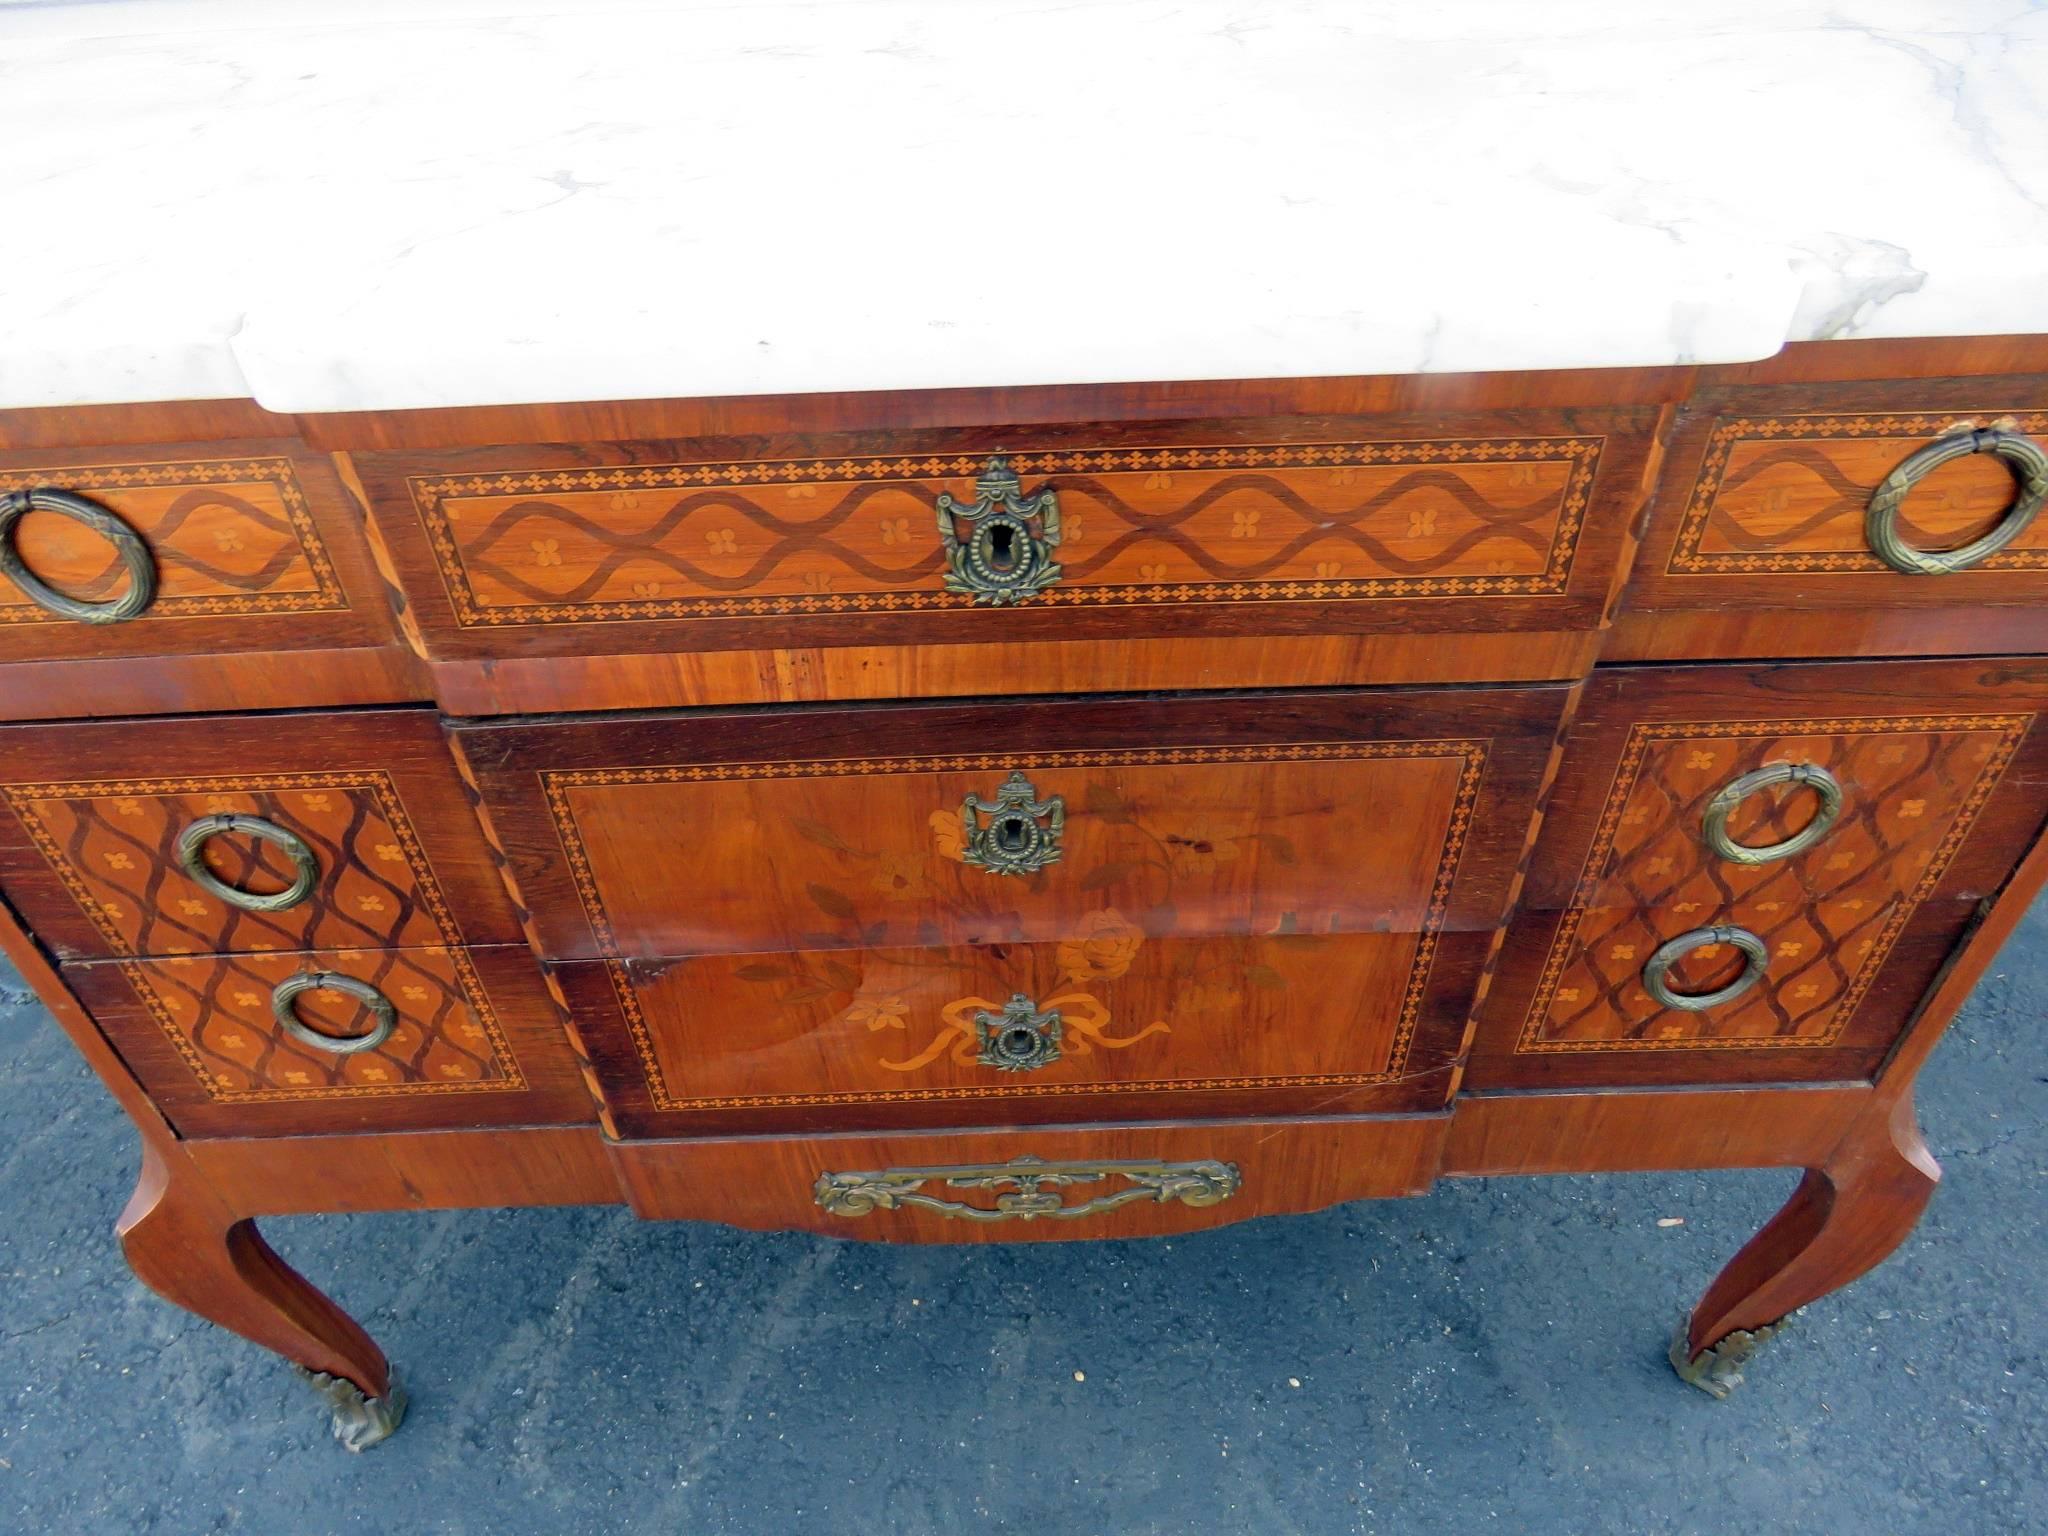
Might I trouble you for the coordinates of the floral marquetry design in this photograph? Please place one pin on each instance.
(216, 1011)
(114, 844)
(1230, 523)
(1912, 789)
(227, 537)
(1788, 496)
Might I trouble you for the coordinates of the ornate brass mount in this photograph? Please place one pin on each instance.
(999, 550)
(1718, 1369)
(2024, 457)
(359, 1421)
(1020, 1038)
(1022, 834)
(306, 868)
(1028, 1188)
(127, 544)
(284, 1006)
(1657, 970)
(1735, 791)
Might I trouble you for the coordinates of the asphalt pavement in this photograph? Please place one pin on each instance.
(1487, 1358)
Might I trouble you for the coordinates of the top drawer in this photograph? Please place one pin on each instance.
(178, 550)
(1504, 522)
(1908, 508)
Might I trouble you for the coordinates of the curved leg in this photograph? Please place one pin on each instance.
(188, 1247)
(1844, 1218)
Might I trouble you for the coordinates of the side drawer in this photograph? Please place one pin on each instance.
(1799, 520)
(1816, 837)
(1458, 526)
(175, 553)
(407, 1039)
(1267, 900)
(242, 833)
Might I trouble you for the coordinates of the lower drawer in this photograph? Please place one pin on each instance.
(1108, 1024)
(340, 1040)
(1040, 1184)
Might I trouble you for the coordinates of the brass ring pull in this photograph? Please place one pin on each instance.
(194, 838)
(1756, 954)
(1022, 833)
(283, 1004)
(127, 543)
(1027, 1188)
(1714, 828)
(2023, 456)
(999, 550)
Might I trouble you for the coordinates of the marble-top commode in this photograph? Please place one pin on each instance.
(351, 207)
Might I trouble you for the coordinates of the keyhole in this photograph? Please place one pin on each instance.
(1019, 1043)
(1010, 834)
(1002, 547)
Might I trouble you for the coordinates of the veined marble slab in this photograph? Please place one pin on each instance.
(378, 205)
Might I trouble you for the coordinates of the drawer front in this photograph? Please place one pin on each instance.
(1766, 501)
(1818, 838)
(1106, 1023)
(662, 836)
(1045, 1184)
(244, 833)
(1506, 521)
(387, 1039)
(244, 546)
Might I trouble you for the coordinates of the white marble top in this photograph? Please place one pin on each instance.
(361, 204)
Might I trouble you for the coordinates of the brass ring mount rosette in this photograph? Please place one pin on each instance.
(1714, 826)
(128, 544)
(1657, 970)
(2024, 457)
(284, 1005)
(306, 869)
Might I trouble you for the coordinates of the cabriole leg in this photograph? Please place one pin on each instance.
(1844, 1218)
(189, 1248)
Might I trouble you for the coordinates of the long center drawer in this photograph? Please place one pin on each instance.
(1057, 910)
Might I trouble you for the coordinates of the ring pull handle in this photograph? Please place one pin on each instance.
(1021, 834)
(2024, 457)
(999, 549)
(128, 544)
(1714, 827)
(284, 1005)
(1019, 1039)
(1657, 969)
(192, 841)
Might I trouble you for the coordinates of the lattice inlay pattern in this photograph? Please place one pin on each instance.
(230, 537)
(1787, 496)
(1915, 786)
(215, 1010)
(1238, 523)
(559, 788)
(113, 843)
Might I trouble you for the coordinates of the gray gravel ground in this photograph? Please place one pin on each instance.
(1486, 1358)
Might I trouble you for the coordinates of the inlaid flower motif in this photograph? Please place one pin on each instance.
(228, 541)
(372, 903)
(390, 853)
(1700, 760)
(128, 807)
(1912, 808)
(947, 832)
(1244, 523)
(453, 1069)
(235, 1039)
(547, 551)
(895, 530)
(624, 501)
(192, 908)
(647, 589)
(898, 873)
(316, 802)
(1152, 572)
(878, 1012)
(1329, 568)
(298, 1079)
(1159, 480)
(118, 860)
(1622, 952)
(1104, 948)
(817, 581)
(249, 999)
(1070, 530)
(1343, 475)
(374, 1074)
(800, 492)
(1568, 994)
(722, 541)
(1422, 523)
(417, 994)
